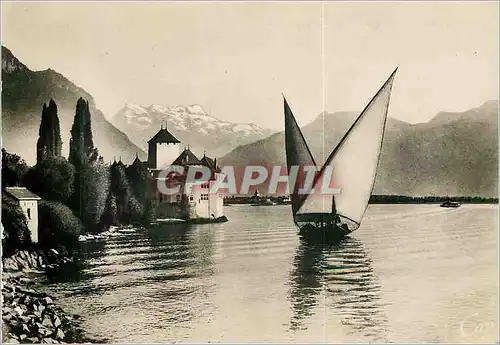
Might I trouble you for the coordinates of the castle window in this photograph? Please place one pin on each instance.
(178, 197)
(29, 213)
(191, 198)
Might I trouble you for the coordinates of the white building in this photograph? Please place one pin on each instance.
(193, 201)
(29, 205)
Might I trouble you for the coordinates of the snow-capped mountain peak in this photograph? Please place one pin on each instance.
(190, 123)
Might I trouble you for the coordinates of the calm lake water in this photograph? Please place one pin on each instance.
(410, 273)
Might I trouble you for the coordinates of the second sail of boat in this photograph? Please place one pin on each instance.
(352, 165)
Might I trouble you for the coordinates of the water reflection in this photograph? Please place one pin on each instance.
(305, 283)
(76, 271)
(183, 284)
(341, 274)
(166, 268)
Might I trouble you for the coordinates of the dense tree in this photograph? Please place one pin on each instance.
(94, 191)
(121, 190)
(136, 211)
(139, 178)
(49, 142)
(16, 234)
(91, 180)
(140, 182)
(149, 213)
(109, 216)
(58, 228)
(51, 179)
(81, 144)
(13, 169)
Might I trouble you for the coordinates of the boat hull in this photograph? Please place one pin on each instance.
(450, 205)
(221, 219)
(175, 221)
(328, 233)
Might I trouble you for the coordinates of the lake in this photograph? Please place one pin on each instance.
(410, 273)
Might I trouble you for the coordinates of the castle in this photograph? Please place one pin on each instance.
(192, 201)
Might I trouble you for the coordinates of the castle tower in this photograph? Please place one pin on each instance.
(163, 149)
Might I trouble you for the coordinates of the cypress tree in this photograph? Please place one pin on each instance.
(76, 156)
(55, 129)
(87, 131)
(88, 140)
(76, 143)
(49, 142)
(41, 149)
(81, 144)
(91, 181)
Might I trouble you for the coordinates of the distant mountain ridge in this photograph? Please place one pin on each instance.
(191, 124)
(453, 154)
(25, 91)
(483, 112)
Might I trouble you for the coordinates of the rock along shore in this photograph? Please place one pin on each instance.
(29, 316)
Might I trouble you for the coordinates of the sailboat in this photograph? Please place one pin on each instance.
(352, 165)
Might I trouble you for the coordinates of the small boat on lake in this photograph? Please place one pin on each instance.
(352, 165)
(449, 203)
(160, 221)
(285, 201)
(264, 202)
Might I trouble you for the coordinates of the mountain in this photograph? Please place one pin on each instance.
(483, 113)
(453, 154)
(190, 124)
(23, 94)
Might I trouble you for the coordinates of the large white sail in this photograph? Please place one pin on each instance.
(354, 162)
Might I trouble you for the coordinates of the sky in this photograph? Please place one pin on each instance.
(236, 59)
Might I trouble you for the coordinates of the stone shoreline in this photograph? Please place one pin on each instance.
(30, 316)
